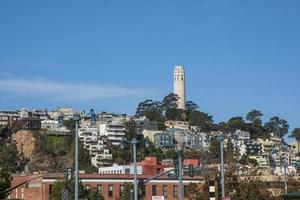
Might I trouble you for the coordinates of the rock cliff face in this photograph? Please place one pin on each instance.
(25, 142)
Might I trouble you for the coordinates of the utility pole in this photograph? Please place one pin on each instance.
(134, 142)
(221, 139)
(285, 180)
(179, 151)
(76, 119)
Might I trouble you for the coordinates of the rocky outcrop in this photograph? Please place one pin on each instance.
(25, 142)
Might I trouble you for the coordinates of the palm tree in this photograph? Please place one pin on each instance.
(296, 136)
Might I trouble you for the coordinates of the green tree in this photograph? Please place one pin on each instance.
(229, 152)
(121, 156)
(84, 160)
(155, 115)
(147, 105)
(5, 133)
(257, 131)
(236, 123)
(214, 147)
(93, 194)
(5, 182)
(10, 158)
(245, 160)
(191, 106)
(130, 127)
(152, 150)
(170, 101)
(200, 119)
(125, 193)
(296, 136)
(254, 115)
(277, 126)
(171, 154)
(88, 194)
(255, 126)
(175, 114)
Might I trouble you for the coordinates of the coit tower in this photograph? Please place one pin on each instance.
(179, 85)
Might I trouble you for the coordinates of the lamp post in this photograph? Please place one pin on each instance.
(76, 118)
(221, 139)
(179, 150)
(134, 142)
(285, 179)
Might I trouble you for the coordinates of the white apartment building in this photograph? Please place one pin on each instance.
(104, 158)
(100, 155)
(114, 132)
(87, 132)
(241, 135)
(50, 124)
(120, 169)
(88, 135)
(53, 127)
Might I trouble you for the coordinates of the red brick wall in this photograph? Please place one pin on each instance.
(41, 190)
(193, 162)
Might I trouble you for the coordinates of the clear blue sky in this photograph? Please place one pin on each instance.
(110, 55)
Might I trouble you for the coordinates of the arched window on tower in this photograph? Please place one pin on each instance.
(182, 77)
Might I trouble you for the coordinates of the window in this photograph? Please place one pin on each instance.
(99, 189)
(186, 191)
(110, 190)
(165, 191)
(175, 191)
(154, 190)
(122, 189)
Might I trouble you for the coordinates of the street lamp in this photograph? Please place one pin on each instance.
(134, 142)
(285, 179)
(179, 150)
(76, 118)
(221, 139)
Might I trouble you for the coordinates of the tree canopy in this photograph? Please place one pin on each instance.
(277, 126)
(254, 115)
(170, 101)
(84, 193)
(5, 182)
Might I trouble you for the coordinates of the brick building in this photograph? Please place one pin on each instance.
(7, 117)
(110, 186)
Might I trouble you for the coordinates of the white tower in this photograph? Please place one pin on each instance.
(179, 85)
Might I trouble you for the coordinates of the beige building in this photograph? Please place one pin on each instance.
(150, 134)
(178, 125)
